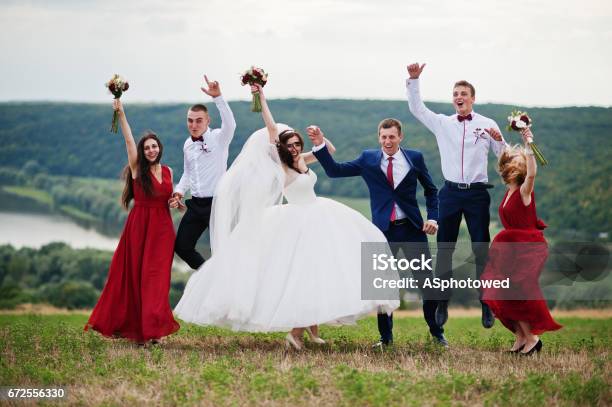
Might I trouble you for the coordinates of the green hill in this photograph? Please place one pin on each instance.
(573, 192)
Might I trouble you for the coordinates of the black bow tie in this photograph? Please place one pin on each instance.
(466, 117)
(194, 139)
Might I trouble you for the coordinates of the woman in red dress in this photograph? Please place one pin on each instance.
(134, 302)
(519, 252)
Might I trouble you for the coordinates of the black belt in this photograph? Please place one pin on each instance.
(399, 222)
(473, 185)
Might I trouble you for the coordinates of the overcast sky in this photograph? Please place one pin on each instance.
(534, 53)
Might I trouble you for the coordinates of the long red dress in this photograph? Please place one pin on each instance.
(519, 252)
(134, 303)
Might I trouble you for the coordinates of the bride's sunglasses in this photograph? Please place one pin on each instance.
(291, 145)
(295, 145)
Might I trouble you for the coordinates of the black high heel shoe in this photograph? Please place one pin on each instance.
(537, 348)
(516, 350)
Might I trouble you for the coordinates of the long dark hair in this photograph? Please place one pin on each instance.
(283, 151)
(144, 175)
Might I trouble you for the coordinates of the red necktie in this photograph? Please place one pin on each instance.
(466, 117)
(391, 183)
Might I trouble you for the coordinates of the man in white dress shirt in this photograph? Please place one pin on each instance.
(205, 155)
(464, 140)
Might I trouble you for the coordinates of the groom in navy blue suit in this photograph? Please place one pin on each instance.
(391, 174)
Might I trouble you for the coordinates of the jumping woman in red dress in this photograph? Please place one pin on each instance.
(519, 252)
(134, 303)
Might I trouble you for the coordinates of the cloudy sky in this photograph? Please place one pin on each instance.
(534, 53)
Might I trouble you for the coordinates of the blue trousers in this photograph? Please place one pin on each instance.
(409, 233)
(454, 203)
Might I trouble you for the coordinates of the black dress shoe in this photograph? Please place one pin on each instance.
(442, 313)
(488, 319)
(441, 340)
(536, 349)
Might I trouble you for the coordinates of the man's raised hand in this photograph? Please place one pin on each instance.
(213, 89)
(315, 135)
(414, 70)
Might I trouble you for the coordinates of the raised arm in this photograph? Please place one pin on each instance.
(532, 168)
(228, 123)
(313, 131)
(331, 167)
(130, 144)
(266, 114)
(416, 106)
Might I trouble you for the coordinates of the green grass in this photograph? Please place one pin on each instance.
(213, 366)
(31, 193)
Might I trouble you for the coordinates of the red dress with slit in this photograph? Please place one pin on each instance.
(134, 302)
(518, 252)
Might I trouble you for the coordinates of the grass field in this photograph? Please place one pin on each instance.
(211, 366)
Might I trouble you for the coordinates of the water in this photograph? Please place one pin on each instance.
(37, 229)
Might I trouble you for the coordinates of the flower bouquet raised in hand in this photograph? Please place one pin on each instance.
(251, 77)
(518, 121)
(117, 85)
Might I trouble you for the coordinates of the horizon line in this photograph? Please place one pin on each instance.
(175, 102)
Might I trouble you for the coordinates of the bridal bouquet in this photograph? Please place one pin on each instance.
(518, 121)
(117, 85)
(251, 77)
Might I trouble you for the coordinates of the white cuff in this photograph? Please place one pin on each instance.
(317, 148)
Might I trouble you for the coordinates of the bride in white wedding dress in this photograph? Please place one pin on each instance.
(279, 267)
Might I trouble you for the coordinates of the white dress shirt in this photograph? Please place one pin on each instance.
(464, 146)
(400, 170)
(205, 161)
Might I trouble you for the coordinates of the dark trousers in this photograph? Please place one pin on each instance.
(417, 239)
(474, 205)
(194, 223)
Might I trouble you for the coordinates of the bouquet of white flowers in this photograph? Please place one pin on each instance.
(518, 121)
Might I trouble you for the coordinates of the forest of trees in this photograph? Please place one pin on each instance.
(59, 275)
(73, 278)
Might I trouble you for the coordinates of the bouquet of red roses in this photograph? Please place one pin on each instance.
(117, 85)
(251, 77)
(518, 121)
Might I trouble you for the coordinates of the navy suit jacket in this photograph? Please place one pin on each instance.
(382, 195)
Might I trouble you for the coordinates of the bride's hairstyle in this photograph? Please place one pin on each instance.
(283, 151)
(512, 170)
(144, 175)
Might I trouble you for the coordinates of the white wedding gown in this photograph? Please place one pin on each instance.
(301, 268)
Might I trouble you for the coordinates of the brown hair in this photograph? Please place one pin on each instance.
(144, 175)
(283, 151)
(512, 170)
(389, 123)
(466, 84)
(199, 108)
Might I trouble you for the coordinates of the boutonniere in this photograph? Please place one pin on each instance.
(479, 134)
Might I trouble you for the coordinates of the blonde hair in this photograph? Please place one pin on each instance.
(512, 170)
